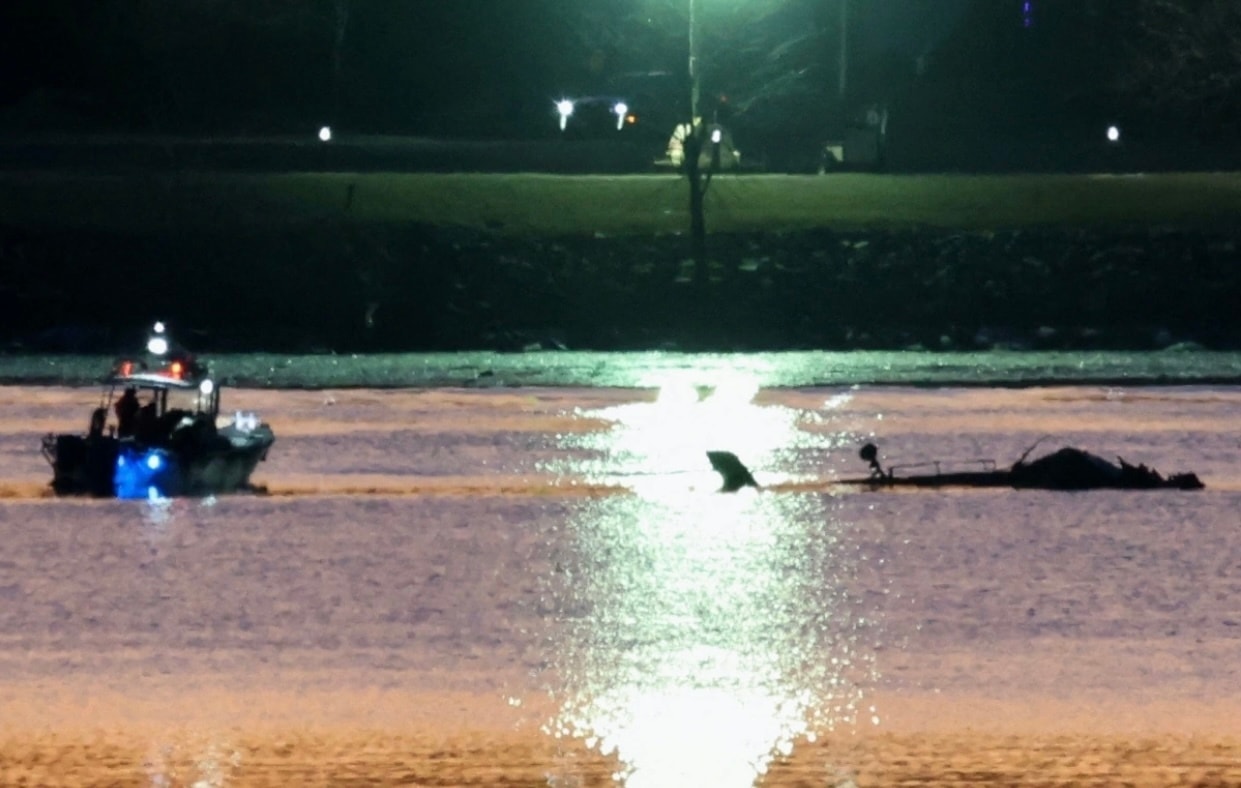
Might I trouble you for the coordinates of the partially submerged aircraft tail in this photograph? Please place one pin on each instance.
(734, 474)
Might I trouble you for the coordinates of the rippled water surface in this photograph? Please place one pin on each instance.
(653, 369)
(451, 585)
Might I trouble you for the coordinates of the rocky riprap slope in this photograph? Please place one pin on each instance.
(352, 288)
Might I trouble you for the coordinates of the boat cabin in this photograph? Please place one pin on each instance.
(153, 395)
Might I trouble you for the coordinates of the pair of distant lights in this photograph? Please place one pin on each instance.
(152, 460)
(566, 107)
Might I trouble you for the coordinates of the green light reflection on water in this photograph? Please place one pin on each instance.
(634, 369)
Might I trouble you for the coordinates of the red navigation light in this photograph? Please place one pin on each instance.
(126, 367)
(175, 369)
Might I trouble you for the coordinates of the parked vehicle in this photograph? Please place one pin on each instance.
(648, 111)
(644, 105)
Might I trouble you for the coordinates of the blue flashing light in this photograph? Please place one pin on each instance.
(144, 474)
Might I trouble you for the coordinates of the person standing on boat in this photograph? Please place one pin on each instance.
(147, 426)
(126, 413)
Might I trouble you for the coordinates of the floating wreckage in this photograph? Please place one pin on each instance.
(1068, 468)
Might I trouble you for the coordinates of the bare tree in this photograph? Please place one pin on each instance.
(765, 56)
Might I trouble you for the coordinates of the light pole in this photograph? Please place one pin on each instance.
(693, 61)
(843, 85)
(692, 146)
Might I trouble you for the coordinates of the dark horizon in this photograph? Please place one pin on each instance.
(491, 68)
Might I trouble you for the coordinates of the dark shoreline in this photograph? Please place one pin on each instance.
(340, 287)
(1099, 370)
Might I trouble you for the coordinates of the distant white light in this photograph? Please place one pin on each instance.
(157, 345)
(716, 136)
(159, 326)
(564, 108)
(1113, 134)
(621, 109)
(325, 134)
(207, 386)
(153, 462)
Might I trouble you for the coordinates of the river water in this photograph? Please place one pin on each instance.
(529, 578)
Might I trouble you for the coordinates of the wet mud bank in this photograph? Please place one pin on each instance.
(347, 288)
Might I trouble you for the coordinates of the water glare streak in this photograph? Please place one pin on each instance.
(698, 635)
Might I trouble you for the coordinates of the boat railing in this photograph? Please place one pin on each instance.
(945, 466)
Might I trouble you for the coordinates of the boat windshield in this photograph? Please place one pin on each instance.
(191, 400)
(161, 399)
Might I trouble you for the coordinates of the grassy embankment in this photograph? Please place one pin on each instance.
(528, 204)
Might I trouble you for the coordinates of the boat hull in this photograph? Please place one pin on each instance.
(105, 467)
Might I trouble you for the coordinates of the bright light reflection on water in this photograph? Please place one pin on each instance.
(654, 446)
(194, 761)
(702, 634)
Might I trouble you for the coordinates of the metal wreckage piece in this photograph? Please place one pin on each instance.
(1068, 468)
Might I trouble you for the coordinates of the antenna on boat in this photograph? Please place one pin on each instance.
(1026, 453)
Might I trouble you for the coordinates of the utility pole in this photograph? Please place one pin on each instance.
(693, 59)
(340, 28)
(693, 145)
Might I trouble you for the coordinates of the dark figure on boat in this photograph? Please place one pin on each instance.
(126, 412)
(146, 427)
(98, 420)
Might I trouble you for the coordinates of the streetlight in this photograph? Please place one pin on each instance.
(692, 145)
(843, 76)
(695, 81)
(564, 108)
(693, 62)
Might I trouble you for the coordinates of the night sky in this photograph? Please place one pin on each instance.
(260, 65)
(491, 68)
